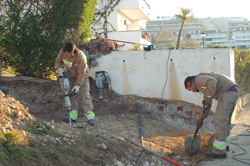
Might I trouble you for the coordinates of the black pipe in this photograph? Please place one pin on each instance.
(140, 124)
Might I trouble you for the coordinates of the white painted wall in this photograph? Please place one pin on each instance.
(128, 4)
(114, 20)
(128, 36)
(144, 73)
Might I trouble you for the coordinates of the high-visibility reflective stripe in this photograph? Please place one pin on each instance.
(73, 115)
(219, 145)
(203, 88)
(222, 147)
(228, 141)
(70, 64)
(90, 115)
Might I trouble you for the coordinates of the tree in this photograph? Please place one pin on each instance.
(183, 19)
(101, 23)
(162, 39)
(32, 32)
(242, 67)
(191, 42)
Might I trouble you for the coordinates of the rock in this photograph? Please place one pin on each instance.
(78, 125)
(65, 139)
(185, 163)
(12, 106)
(24, 133)
(177, 158)
(1, 94)
(118, 163)
(146, 163)
(102, 146)
(152, 164)
(8, 110)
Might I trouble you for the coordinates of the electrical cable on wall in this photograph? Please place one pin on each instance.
(109, 81)
(166, 74)
(149, 48)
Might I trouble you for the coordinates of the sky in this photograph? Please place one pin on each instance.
(201, 8)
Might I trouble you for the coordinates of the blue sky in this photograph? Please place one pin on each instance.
(201, 8)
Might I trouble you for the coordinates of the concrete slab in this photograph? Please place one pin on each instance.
(239, 153)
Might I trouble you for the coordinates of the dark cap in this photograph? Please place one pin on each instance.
(69, 47)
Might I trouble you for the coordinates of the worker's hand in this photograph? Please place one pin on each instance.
(199, 124)
(207, 101)
(60, 71)
(76, 89)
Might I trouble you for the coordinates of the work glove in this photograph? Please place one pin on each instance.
(207, 101)
(60, 71)
(199, 124)
(76, 89)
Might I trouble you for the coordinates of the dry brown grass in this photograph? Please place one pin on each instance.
(9, 72)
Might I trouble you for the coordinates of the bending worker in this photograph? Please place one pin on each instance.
(219, 87)
(74, 62)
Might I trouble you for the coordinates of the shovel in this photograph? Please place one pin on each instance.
(192, 144)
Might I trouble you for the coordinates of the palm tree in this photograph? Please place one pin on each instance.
(183, 19)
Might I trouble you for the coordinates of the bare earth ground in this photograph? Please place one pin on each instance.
(114, 119)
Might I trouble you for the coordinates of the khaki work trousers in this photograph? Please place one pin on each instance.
(222, 117)
(82, 98)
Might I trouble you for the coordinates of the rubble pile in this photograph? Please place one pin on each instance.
(12, 114)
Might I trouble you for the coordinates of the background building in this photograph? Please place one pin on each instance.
(233, 31)
(125, 21)
(129, 21)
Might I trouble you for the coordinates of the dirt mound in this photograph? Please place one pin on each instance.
(12, 113)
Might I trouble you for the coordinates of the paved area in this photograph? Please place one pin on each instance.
(239, 154)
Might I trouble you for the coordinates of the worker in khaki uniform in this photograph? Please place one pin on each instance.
(219, 87)
(74, 62)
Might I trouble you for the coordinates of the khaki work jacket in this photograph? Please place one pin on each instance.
(213, 84)
(76, 66)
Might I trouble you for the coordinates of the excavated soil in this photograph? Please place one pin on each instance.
(114, 118)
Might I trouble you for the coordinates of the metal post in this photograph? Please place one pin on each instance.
(203, 41)
(203, 34)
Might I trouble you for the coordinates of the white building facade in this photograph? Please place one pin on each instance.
(233, 32)
(126, 20)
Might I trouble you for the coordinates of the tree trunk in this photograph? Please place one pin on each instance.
(179, 35)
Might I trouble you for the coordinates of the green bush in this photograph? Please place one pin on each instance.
(33, 32)
(242, 68)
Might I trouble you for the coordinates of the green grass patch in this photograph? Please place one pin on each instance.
(40, 128)
(13, 145)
